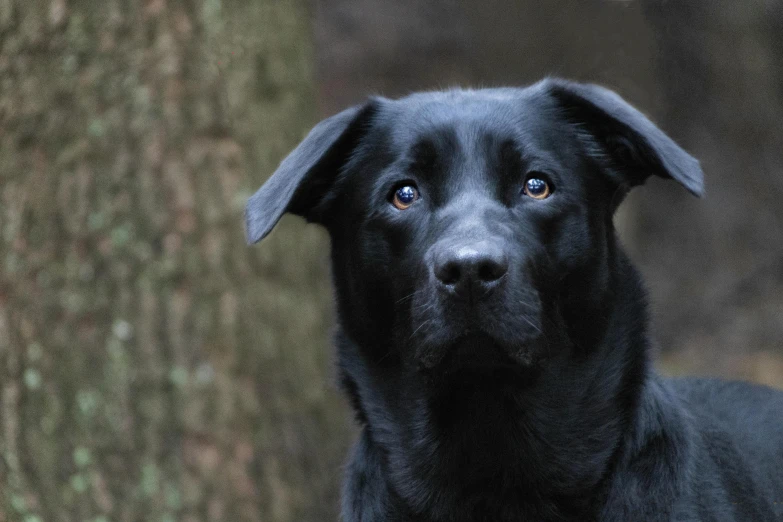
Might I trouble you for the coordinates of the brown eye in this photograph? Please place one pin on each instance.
(405, 196)
(537, 188)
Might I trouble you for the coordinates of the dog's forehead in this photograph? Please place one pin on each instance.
(479, 122)
(524, 115)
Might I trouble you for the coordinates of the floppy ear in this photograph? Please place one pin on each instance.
(632, 145)
(302, 179)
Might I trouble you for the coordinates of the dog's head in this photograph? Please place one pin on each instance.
(471, 229)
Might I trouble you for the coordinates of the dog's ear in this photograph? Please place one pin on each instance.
(304, 176)
(632, 145)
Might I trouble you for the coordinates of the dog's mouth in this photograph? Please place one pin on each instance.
(477, 350)
(473, 351)
(504, 331)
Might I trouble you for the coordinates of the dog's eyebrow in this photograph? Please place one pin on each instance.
(507, 153)
(520, 154)
(434, 146)
(424, 153)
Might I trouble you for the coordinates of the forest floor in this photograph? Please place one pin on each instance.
(763, 367)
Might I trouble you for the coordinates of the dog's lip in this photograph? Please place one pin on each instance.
(476, 349)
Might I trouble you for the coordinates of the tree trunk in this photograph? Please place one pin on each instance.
(154, 367)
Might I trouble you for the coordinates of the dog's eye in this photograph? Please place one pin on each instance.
(536, 188)
(405, 196)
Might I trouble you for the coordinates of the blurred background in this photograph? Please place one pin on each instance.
(153, 367)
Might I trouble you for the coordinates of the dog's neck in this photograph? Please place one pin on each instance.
(501, 444)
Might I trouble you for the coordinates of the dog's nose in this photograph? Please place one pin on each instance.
(468, 268)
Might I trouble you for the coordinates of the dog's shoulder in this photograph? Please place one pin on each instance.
(715, 448)
(733, 405)
(739, 439)
(750, 415)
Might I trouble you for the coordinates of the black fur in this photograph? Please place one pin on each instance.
(525, 394)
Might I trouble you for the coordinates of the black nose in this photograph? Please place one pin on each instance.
(474, 267)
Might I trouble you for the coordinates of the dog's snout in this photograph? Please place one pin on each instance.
(468, 267)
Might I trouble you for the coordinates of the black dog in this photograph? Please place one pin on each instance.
(493, 335)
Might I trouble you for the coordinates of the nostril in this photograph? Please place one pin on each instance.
(449, 273)
(464, 267)
(491, 270)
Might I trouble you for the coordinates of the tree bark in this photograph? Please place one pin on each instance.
(153, 366)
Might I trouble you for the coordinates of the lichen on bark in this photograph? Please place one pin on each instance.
(154, 367)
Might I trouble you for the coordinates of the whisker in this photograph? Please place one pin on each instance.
(423, 307)
(422, 325)
(530, 323)
(405, 298)
(528, 305)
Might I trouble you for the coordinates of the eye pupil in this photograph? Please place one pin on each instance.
(537, 188)
(406, 194)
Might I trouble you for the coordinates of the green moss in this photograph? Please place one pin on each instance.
(82, 457)
(96, 221)
(212, 14)
(120, 236)
(88, 401)
(18, 503)
(178, 376)
(122, 329)
(32, 378)
(173, 497)
(150, 479)
(96, 129)
(79, 483)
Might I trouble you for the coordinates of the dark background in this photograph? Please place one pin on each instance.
(710, 73)
(153, 367)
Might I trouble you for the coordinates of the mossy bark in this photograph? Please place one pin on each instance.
(153, 367)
